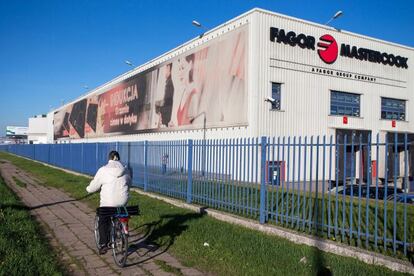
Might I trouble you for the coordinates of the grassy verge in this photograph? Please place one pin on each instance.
(23, 251)
(210, 245)
(350, 220)
(362, 222)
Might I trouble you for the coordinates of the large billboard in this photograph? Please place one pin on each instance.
(16, 131)
(205, 86)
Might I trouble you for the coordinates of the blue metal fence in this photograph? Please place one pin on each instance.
(351, 189)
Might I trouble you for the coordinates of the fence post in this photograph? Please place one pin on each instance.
(263, 145)
(49, 146)
(96, 157)
(70, 157)
(129, 154)
(61, 155)
(145, 166)
(82, 158)
(190, 171)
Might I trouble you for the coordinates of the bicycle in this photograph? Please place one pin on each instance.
(119, 230)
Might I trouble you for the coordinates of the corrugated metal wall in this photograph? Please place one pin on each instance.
(305, 96)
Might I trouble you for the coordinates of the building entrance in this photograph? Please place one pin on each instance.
(352, 154)
(396, 157)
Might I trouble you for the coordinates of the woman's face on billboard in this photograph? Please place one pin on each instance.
(183, 70)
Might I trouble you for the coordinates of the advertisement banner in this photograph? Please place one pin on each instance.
(202, 88)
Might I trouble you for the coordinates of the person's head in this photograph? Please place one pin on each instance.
(190, 60)
(168, 69)
(114, 156)
(185, 68)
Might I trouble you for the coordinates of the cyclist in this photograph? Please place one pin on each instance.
(114, 180)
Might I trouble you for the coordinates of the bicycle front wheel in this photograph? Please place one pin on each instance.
(119, 240)
(96, 231)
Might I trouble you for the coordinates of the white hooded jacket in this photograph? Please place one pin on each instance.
(114, 180)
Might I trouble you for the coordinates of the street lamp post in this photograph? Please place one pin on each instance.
(203, 151)
(198, 25)
(336, 15)
(127, 62)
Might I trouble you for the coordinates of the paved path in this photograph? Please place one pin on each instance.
(68, 224)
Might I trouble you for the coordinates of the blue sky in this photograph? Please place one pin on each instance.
(49, 50)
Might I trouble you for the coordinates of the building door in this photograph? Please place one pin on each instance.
(396, 158)
(352, 156)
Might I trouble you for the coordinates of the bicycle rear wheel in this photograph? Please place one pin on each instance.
(96, 231)
(119, 240)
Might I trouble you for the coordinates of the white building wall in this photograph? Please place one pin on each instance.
(38, 130)
(49, 129)
(306, 96)
(305, 100)
(37, 139)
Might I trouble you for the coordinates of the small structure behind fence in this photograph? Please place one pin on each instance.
(350, 189)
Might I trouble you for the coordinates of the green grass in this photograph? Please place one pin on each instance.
(23, 250)
(19, 182)
(348, 213)
(232, 250)
(244, 200)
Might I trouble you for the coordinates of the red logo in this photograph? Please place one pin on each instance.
(328, 51)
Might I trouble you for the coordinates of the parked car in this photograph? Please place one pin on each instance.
(372, 191)
(400, 198)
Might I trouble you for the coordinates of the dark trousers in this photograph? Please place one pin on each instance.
(104, 229)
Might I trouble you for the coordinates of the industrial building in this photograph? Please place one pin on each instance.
(15, 135)
(37, 131)
(259, 74)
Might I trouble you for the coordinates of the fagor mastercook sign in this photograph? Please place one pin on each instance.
(328, 49)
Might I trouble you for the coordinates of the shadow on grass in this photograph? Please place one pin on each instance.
(318, 260)
(14, 207)
(155, 238)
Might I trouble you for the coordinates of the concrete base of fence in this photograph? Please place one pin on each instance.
(298, 238)
(325, 245)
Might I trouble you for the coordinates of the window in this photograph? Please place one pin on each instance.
(392, 109)
(347, 104)
(276, 87)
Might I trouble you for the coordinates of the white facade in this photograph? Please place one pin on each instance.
(305, 86)
(38, 130)
(302, 58)
(49, 128)
(306, 93)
